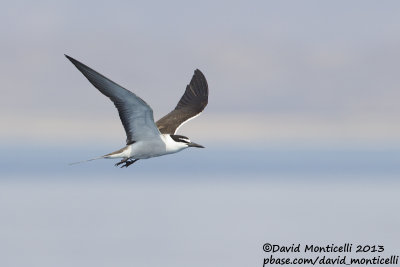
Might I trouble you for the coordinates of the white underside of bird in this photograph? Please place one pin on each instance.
(147, 149)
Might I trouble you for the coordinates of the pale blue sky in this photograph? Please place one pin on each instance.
(331, 67)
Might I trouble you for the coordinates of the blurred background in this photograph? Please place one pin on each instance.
(302, 132)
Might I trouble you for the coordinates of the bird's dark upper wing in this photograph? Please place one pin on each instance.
(193, 101)
(135, 114)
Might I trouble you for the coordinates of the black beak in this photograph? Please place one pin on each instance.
(194, 145)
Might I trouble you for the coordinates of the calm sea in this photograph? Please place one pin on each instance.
(211, 207)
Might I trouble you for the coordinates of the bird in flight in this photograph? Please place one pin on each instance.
(144, 137)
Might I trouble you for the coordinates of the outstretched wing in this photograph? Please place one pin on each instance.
(191, 104)
(135, 114)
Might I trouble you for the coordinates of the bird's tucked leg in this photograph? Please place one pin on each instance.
(122, 161)
(128, 162)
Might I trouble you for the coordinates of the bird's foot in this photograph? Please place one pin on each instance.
(126, 162)
(119, 163)
(129, 162)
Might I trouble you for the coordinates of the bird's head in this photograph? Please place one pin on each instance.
(184, 141)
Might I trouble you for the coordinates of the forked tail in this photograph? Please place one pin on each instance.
(116, 154)
(73, 163)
